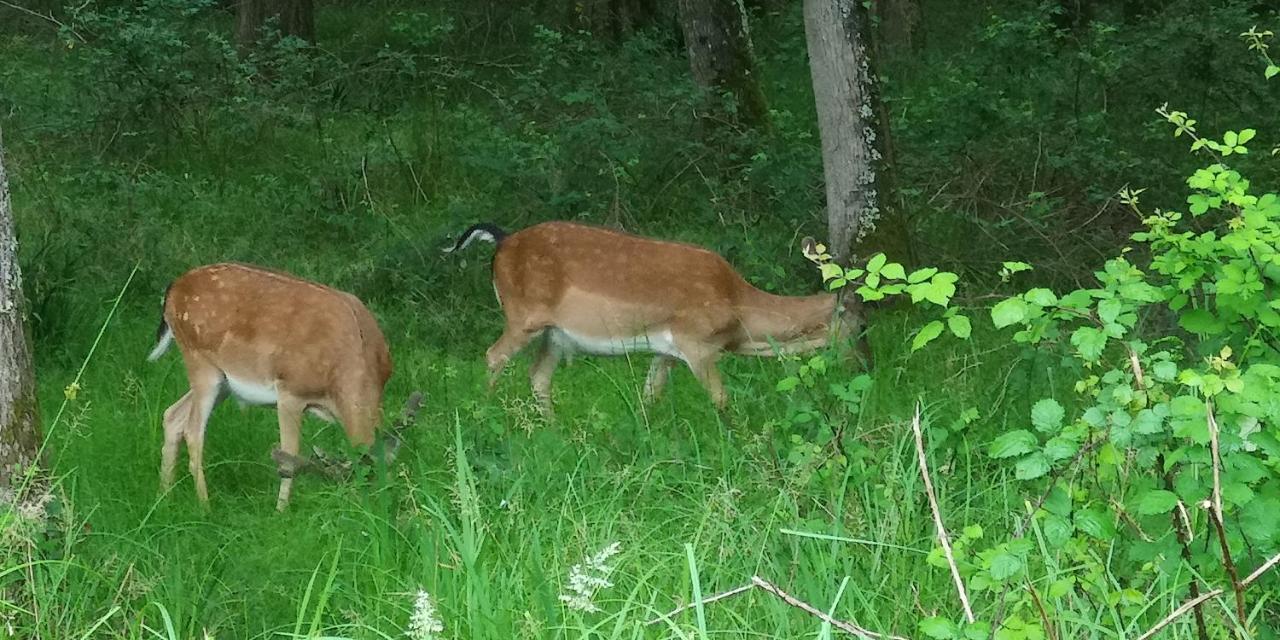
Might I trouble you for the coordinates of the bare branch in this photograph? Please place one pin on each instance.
(1216, 508)
(1186, 606)
(937, 517)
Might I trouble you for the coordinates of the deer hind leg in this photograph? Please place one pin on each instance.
(205, 393)
(656, 381)
(289, 411)
(176, 418)
(512, 340)
(544, 367)
(702, 362)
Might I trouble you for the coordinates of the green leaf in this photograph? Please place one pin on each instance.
(1246, 136)
(1110, 309)
(1009, 311)
(893, 271)
(939, 628)
(1057, 530)
(1041, 297)
(1271, 71)
(831, 271)
(1014, 443)
(927, 334)
(1015, 267)
(920, 275)
(1031, 467)
(1156, 502)
(978, 630)
(787, 384)
(1005, 565)
(1060, 448)
(1096, 523)
(1047, 415)
(876, 263)
(1090, 342)
(960, 326)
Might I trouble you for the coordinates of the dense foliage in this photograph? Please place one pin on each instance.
(1114, 454)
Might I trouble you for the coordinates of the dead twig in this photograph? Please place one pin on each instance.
(937, 517)
(1216, 510)
(764, 585)
(47, 18)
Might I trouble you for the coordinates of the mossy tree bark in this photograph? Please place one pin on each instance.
(19, 420)
(717, 38)
(293, 18)
(853, 152)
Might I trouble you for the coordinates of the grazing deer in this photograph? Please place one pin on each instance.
(269, 338)
(606, 292)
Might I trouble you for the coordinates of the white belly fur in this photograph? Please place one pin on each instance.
(251, 392)
(659, 341)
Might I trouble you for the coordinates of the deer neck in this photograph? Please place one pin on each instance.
(792, 323)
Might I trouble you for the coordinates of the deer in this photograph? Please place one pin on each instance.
(268, 338)
(604, 292)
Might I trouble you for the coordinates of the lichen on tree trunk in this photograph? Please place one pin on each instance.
(718, 41)
(847, 103)
(19, 419)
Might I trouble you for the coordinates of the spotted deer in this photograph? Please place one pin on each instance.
(269, 338)
(605, 292)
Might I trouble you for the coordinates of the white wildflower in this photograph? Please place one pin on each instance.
(424, 624)
(588, 578)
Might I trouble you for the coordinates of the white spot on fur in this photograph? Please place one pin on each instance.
(250, 392)
(660, 341)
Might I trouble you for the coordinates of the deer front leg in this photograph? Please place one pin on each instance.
(656, 381)
(289, 411)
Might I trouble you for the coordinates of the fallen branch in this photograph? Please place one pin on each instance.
(760, 583)
(937, 517)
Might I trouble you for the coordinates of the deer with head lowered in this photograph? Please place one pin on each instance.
(605, 292)
(269, 338)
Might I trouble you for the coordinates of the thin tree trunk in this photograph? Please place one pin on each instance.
(720, 57)
(899, 22)
(616, 20)
(19, 419)
(843, 88)
(294, 18)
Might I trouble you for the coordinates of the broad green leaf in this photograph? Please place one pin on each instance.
(920, 275)
(1047, 415)
(1031, 467)
(1096, 523)
(1009, 311)
(831, 271)
(938, 628)
(1041, 297)
(1057, 530)
(1060, 448)
(1090, 342)
(787, 384)
(876, 263)
(927, 334)
(1271, 71)
(1156, 502)
(977, 630)
(1014, 443)
(1005, 565)
(1110, 309)
(960, 326)
(893, 271)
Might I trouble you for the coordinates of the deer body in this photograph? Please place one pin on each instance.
(605, 292)
(269, 338)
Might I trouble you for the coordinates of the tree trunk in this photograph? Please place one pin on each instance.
(899, 23)
(616, 20)
(847, 103)
(19, 421)
(720, 56)
(292, 18)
